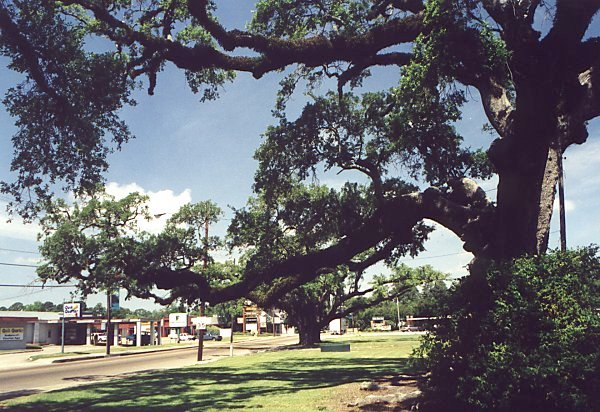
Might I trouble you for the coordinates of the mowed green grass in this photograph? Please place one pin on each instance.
(288, 380)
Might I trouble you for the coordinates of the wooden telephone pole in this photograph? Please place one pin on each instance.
(561, 200)
(202, 328)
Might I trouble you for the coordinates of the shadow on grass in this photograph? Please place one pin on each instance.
(219, 387)
(17, 394)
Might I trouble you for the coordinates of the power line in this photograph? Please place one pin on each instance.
(19, 265)
(19, 251)
(37, 286)
(26, 294)
(437, 256)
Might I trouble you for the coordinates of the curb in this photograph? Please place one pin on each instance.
(21, 351)
(141, 352)
(114, 355)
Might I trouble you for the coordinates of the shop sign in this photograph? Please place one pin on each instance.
(12, 333)
(178, 320)
(72, 310)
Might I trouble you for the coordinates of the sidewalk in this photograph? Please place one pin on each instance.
(22, 360)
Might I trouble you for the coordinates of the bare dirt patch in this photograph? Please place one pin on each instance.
(388, 393)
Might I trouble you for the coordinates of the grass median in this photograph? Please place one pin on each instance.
(299, 380)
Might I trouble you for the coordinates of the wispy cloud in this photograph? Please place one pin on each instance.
(14, 227)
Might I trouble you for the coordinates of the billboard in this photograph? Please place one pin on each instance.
(72, 310)
(178, 320)
(12, 333)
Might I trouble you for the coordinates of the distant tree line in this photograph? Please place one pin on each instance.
(426, 301)
(98, 310)
(37, 306)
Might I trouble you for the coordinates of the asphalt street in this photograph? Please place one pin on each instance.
(20, 382)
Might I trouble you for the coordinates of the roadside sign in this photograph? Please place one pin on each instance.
(178, 320)
(12, 333)
(202, 321)
(72, 310)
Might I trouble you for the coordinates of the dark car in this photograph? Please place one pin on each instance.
(132, 339)
(212, 336)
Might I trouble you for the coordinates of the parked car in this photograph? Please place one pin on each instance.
(411, 329)
(132, 339)
(186, 337)
(212, 336)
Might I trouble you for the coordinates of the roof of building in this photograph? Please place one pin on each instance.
(50, 316)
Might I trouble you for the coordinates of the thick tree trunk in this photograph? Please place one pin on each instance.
(526, 162)
(310, 332)
(524, 209)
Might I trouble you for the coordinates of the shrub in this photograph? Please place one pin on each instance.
(526, 337)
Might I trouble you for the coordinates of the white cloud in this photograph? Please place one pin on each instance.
(162, 203)
(16, 228)
(569, 205)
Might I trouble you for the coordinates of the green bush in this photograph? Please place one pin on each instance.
(526, 338)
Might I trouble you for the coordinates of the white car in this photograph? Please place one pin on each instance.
(186, 337)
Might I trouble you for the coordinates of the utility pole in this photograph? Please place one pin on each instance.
(108, 324)
(398, 311)
(202, 304)
(231, 337)
(62, 341)
(561, 199)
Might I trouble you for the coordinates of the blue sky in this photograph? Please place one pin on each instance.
(191, 151)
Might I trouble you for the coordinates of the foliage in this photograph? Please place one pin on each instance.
(433, 300)
(428, 300)
(91, 240)
(67, 107)
(125, 313)
(537, 90)
(187, 231)
(300, 220)
(527, 340)
(36, 306)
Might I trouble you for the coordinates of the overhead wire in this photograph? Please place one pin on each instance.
(19, 265)
(19, 251)
(36, 286)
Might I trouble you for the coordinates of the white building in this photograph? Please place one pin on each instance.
(18, 328)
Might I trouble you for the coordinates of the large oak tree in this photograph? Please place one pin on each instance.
(538, 92)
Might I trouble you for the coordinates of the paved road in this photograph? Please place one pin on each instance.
(32, 380)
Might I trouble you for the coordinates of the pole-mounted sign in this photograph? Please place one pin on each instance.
(72, 310)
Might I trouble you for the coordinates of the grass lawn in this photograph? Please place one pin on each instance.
(288, 380)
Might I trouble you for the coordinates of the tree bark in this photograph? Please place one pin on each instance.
(309, 332)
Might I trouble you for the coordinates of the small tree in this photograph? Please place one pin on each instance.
(17, 306)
